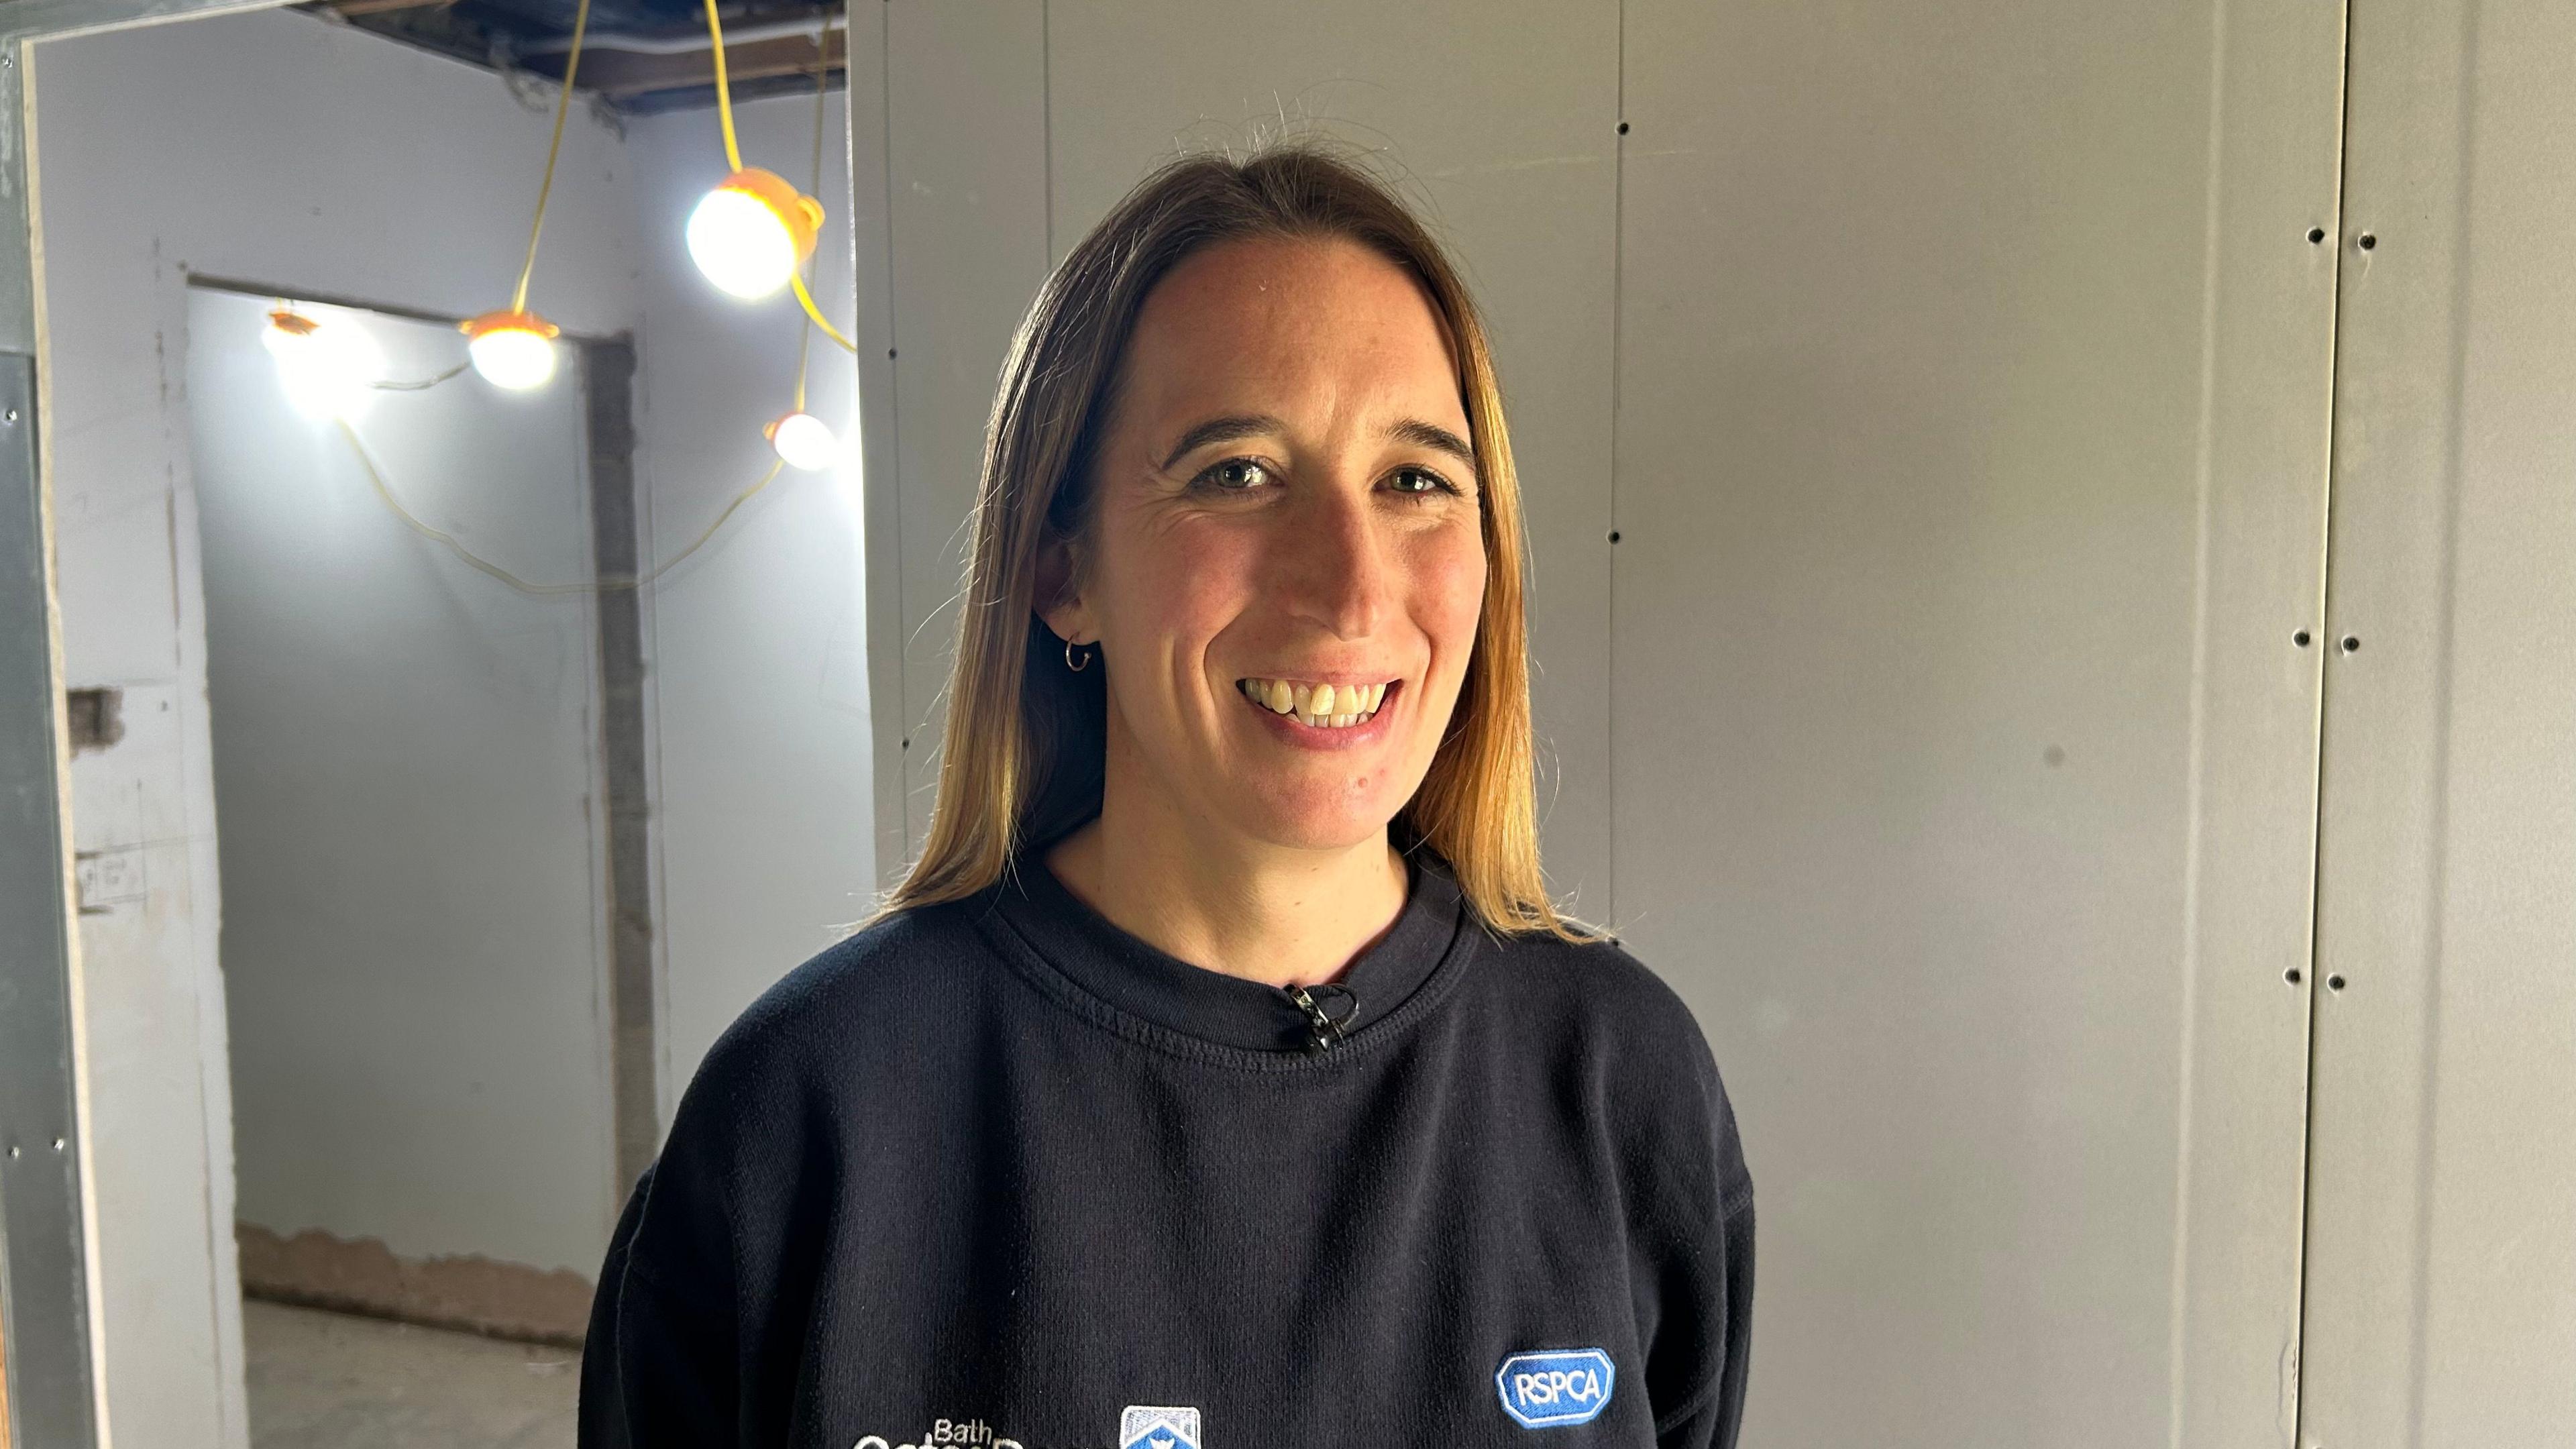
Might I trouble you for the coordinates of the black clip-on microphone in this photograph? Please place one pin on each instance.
(1327, 1029)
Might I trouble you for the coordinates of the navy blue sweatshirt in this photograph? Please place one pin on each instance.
(999, 1173)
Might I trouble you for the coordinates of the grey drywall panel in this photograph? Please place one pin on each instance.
(2442, 1215)
(966, 168)
(1971, 444)
(872, 256)
(44, 1290)
(405, 765)
(1503, 136)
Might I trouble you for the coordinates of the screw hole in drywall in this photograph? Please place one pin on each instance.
(2316, 234)
(2368, 241)
(889, 354)
(1614, 535)
(2334, 983)
(1623, 128)
(2300, 638)
(2291, 976)
(2351, 642)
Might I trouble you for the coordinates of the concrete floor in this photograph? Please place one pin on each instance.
(330, 1381)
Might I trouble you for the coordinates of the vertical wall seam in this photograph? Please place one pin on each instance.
(2196, 748)
(2437, 755)
(1610, 628)
(1046, 117)
(2297, 1387)
(894, 437)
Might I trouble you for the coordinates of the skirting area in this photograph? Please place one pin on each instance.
(315, 1269)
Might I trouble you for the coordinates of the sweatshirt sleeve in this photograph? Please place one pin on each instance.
(656, 1367)
(1710, 1419)
(1697, 1241)
(677, 1351)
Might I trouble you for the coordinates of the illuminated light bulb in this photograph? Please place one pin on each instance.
(328, 368)
(511, 349)
(805, 441)
(750, 234)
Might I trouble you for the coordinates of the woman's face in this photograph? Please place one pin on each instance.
(1285, 500)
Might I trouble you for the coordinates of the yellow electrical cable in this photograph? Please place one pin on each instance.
(733, 159)
(456, 546)
(424, 384)
(545, 188)
(822, 104)
(807, 298)
(724, 95)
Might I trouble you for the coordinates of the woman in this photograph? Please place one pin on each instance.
(1221, 1074)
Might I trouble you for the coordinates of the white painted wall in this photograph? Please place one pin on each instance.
(406, 755)
(279, 149)
(328, 162)
(758, 643)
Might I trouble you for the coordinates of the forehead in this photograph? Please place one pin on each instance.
(1326, 320)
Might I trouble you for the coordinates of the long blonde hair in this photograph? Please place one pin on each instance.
(1023, 747)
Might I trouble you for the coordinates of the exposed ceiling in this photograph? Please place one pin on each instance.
(639, 55)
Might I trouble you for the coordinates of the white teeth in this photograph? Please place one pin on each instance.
(1317, 706)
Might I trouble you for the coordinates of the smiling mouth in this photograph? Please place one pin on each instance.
(1318, 706)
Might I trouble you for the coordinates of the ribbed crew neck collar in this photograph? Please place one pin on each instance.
(1145, 981)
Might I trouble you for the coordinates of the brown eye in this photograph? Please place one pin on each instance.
(1235, 475)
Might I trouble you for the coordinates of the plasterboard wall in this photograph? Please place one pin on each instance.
(764, 816)
(2442, 1197)
(272, 148)
(1973, 383)
(1957, 383)
(405, 753)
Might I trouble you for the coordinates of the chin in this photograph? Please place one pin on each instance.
(1319, 829)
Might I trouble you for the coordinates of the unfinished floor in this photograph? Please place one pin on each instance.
(331, 1381)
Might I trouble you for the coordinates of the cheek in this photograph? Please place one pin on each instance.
(1186, 584)
(1449, 596)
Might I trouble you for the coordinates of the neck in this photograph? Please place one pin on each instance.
(1284, 915)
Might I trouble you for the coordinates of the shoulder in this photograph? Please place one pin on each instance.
(1640, 1045)
(1595, 988)
(762, 1107)
(867, 994)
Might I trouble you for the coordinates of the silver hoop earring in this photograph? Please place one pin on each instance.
(1068, 659)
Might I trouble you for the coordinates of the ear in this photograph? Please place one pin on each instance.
(1056, 599)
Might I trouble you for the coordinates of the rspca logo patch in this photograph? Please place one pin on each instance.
(1555, 1386)
(1144, 1427)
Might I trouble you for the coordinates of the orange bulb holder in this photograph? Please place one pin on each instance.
(507, 320)
(802, 214)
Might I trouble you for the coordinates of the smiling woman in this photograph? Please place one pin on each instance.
(1221, 1071)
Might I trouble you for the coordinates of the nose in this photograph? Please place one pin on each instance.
(1333, 567)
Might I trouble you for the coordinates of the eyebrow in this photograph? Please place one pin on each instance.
(1231, 426)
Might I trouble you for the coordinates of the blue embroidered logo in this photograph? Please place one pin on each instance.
(1555, 1386)
(1144, 1426)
